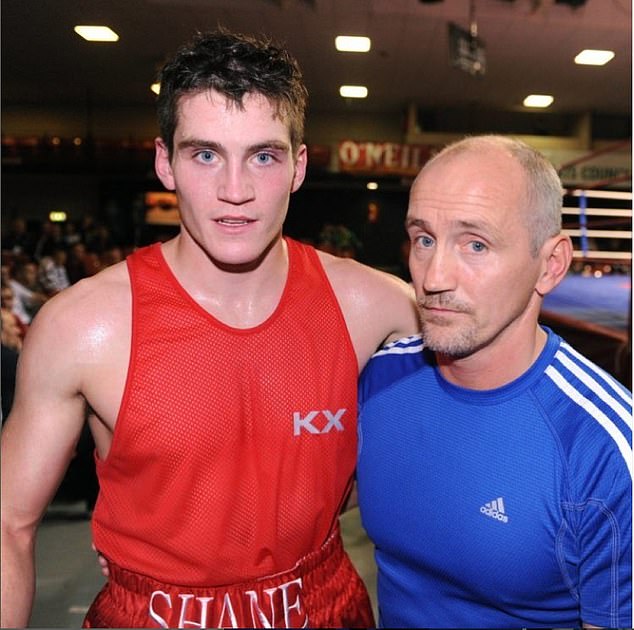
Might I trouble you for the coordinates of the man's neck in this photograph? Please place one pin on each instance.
(496, 364)
(239, 298)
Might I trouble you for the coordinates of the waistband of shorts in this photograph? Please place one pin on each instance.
(331, 553)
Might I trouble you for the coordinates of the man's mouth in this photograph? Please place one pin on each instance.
(233, 221)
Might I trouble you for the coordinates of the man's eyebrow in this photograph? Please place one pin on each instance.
(463, 224)
(277, 145)
(411, 222)
(199, 143)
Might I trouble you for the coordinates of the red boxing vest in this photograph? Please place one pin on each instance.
(233, 449)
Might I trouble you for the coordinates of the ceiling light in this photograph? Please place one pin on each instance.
(538, 100)
(156, 88)
(353, 91)
(348, 43)
(589, 57)
(57, 216)
(97, 33)
(372, 186)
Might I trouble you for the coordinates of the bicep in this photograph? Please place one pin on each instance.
(40, 434)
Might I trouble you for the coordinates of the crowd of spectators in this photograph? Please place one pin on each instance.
(38, 262)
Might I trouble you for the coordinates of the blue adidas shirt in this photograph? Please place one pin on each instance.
(505, 508)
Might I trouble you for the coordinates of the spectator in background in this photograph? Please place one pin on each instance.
(11, 333)
(52, 272)
(75, 262)
(11, 345)
(92, 263)
(71, 234)
(18, 240)
(28, 294)
(100, 239)
(7, 302)
(51, 236)
(338, 240)
(94, 234)
(86, 223)
(5, 271)
(111, 256)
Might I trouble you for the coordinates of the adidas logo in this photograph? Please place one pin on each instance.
(495, 509)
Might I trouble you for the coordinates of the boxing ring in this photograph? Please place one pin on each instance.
(592, 307)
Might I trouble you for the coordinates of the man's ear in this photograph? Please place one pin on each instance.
(556, 254)
(162, 164)
(301, 161)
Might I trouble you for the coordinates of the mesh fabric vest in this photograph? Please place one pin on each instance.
(233, 448)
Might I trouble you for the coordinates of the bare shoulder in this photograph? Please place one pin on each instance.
(378, 307)
(84, 316)
(365, 284)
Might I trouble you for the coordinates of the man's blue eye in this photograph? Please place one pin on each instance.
(478, 246)
(425, 241)
(206, 156)
(263, 158)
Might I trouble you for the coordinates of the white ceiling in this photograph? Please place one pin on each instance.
(530, 46)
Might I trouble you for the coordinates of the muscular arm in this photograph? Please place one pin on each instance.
(38, 441)
(377, 306)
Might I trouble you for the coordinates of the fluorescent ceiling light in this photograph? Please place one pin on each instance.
(589, 57)
(97, 33)
(538, 100)
(156, 88)
(353, 91)
(348, 43)
(57, 216)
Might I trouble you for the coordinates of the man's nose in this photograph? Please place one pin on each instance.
(235, 185)
(440, 272)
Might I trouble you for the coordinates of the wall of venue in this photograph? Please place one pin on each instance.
(94, 159)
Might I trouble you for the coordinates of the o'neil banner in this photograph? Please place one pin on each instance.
(385, 158)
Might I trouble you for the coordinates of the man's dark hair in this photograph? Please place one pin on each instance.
(233, 65)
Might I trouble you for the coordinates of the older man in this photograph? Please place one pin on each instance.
(495, 466)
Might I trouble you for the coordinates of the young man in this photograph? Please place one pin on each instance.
(219, 370)
(504, 456)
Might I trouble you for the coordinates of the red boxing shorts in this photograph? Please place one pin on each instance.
(323, 590)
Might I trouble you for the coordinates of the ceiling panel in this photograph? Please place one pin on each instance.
(530, 45)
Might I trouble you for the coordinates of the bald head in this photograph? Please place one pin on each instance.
(541, 192)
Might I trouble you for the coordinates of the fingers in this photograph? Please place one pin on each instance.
(103, 563)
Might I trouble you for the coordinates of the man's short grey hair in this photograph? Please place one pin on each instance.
(544, 193)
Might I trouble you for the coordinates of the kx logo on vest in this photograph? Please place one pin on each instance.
(317, 421)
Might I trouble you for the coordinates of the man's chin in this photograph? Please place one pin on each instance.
(451, 345)
(238, 265)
